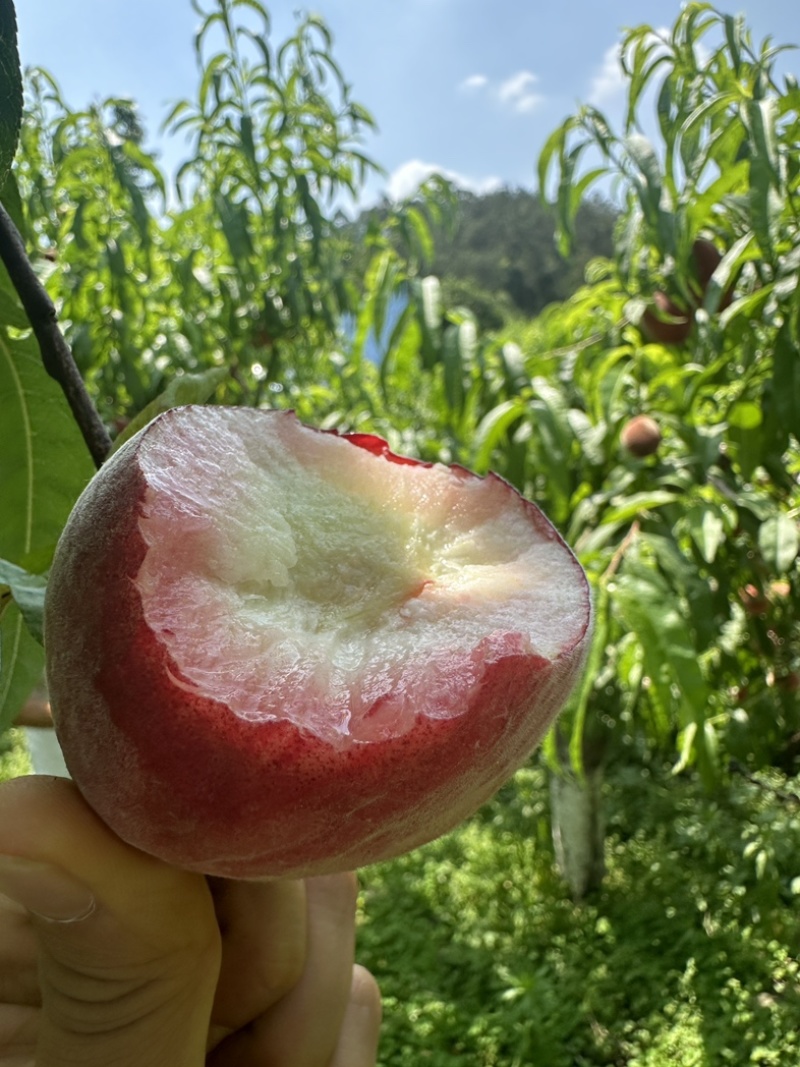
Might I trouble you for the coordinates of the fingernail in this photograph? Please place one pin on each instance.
(44, 890)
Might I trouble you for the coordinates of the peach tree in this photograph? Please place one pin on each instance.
(234, 260)
(228, 283)
(654, 415)
(696, 324)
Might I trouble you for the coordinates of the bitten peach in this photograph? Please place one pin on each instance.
(276, 651)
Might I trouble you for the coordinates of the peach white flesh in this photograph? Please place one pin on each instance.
(274, 651)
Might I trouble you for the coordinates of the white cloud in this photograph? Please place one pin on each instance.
(517, 92)
(608, 83)
(473, 83)
(407, 178)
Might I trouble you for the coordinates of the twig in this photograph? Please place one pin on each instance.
(56, 355)
(787, 798)
(619, 555)
(587, 342)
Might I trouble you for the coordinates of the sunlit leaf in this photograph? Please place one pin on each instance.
(779, 541)
(27, 591)
(44, 465)
(493, 428)
(708, 530)
(580, 703)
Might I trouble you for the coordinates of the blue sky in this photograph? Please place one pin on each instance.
(469, 87)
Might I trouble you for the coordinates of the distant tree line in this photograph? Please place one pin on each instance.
(496, 253)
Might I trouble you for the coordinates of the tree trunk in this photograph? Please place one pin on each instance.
(578, 829)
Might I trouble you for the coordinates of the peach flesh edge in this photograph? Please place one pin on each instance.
(423, 573)
(180, 774)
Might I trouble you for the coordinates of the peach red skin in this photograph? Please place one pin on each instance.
(181, 777)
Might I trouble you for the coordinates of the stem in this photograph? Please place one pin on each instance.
(56, 355)
(619, 555)
(780, 794)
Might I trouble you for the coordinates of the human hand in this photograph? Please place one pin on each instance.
(144, 965)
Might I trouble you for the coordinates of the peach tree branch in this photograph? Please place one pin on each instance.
(56, 354)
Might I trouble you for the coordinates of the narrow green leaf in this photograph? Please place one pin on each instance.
(784, 413)
(140, 212)
(582, 186)
(637, 503)
(453, 370)
(209, 22)
(427, 295)
(247, 142)
(432, 303)
(467, 341)
(762, 117)
(395, 343)
(553, 439)
(513, 363)
(21, 664)
(707, 529)
(259, 9)
(262, 44)
(686, 740)
(492, 428)
(727, 270)
(11, 311)
(312, 213)
(733, 36)
(422, 233)
(174, 114)
(234, 219)
(590, 435)
(142, 159)
(374, 281)
(706, 112)
(779, 542)
(566, 207)
(649, 177)
(210, 79)
(43, 468)
(43, 460)
(641, 71)
(550, 754)
(654, 613)
(28, 592)
(552, 151)
(593, 667)
(766, 187)
(701, 207)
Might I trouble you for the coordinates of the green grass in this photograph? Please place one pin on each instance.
(683, 958)
(687, 957)
(14, 759)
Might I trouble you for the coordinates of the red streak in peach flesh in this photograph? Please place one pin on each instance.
(180, 776)
(370, 442)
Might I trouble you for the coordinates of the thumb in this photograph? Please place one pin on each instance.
(129, 948)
